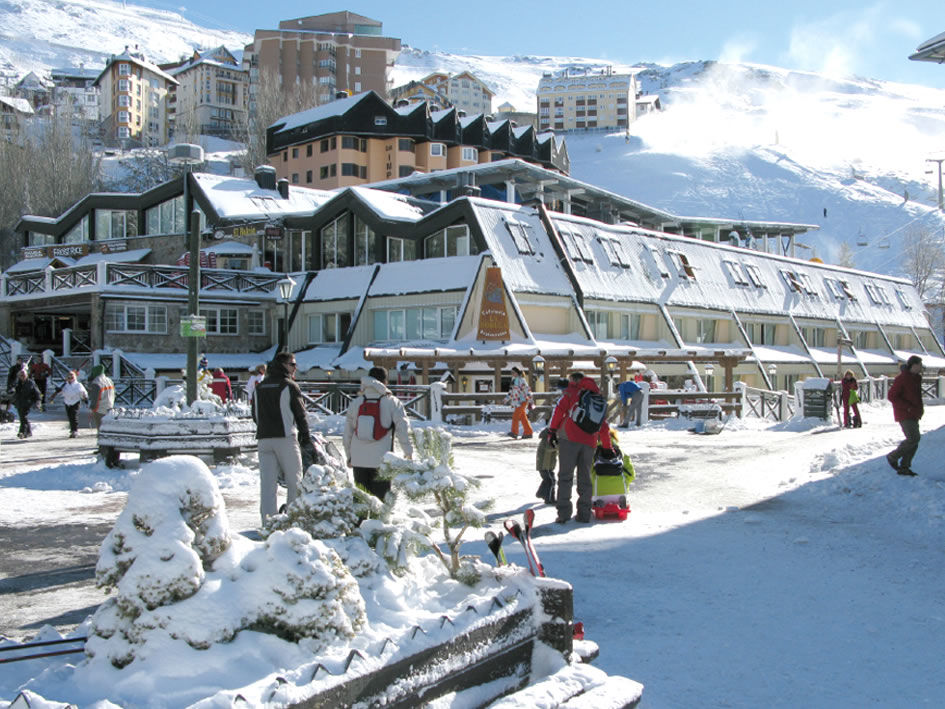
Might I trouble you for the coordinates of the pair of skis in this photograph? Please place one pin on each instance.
(523, 533)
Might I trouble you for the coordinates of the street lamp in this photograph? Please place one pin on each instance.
(709, 369)
(610, 364)
(772, 374)
(285, 293)
(538, 369)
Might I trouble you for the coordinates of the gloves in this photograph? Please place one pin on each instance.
(553, 439)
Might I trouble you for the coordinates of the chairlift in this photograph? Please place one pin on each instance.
(883, 243)
(861, 239)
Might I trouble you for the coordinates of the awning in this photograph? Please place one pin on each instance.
(38, 264)
(132, 256)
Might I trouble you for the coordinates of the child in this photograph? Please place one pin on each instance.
(545, 461)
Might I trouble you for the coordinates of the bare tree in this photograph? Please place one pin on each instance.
(923, 260)
(47, 166)
(271, 101)
(845, 256)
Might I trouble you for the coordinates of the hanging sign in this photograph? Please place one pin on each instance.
(193, 326)
(493, 315)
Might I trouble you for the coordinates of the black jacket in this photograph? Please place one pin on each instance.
(25, 394)
(277, 406)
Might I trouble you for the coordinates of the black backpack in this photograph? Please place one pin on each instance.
(590, 411)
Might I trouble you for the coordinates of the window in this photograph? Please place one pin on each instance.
(295, 178)
(754, 274)
(406, 145)
(520, 235)
(903, 301)
(256, 322)
(166, 218)
(432, 323)
(350, 142)
(124, 117)
(683, 268)
(845, 287)
(221, 321)
(143, 318)
(308, 150)
(401, 249)
(335, 243)
(760, 333)
(657, 259)
(124, 132)
(705, 331)
(328, 327)
(308, 177)
(630, 326)
(124, 69)
(327, 144)
(814, 336)
(734, 270)
(295, 153)
(406, 170)
(326, 171)
(437, 150)
(79, 233)
(599, 321)
(470, 155)
(124, 100)
(350, 169)
(575, 243)
(364, 243)
(115, 223)
(380, 121)
(452, 241)
(124, 85)
(616, 252)
(834, 287)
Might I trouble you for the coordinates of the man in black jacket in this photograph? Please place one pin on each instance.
(25, 397)
(281, 423)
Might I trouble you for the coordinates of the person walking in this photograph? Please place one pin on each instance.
(221, 386)
(546, 460)
(281, 424)
(73, 394)
(101, 395)
(631, 402)
(13, 371)
(849, 393)
(520, 399)
(259, 373)
(576, 448)
(40, 371)
(905, 394)
(25, 397)
(374, 417)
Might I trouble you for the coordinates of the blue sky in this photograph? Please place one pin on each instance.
(837, 37)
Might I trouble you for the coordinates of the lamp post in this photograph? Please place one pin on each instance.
(941, 206)
(610, 366)
(538, 370)
(285, 293)
(709, 369)
(772, 375)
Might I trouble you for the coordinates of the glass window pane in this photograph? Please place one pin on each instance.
(380, 325)
(447, 320)
(396, 325)
(315, 328)
(431, 324)
(329, 334)
(413, 324)
(433, 246)
(136, 316)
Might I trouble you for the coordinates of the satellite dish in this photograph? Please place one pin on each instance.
(185, 154)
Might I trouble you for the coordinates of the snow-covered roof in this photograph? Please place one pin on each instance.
(131, 256)
(339, 283)
(17, 104)
(241, 198)
(335, 108)
(127, 56)
(37, 264)
(228, 247)
(391, 205)
(427, 275)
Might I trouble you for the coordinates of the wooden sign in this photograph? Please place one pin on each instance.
(493, 315)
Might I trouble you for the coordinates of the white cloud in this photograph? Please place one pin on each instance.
(836, 45)
(738, 49)
(907, 28)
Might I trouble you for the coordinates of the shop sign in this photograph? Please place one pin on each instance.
(69, 250)
(111, 247)
(493, 314)
(273, 232)
(34, 252)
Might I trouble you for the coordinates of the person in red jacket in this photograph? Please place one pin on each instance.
(221, 386)
(849, 384)
(576, 450)
(906, 397)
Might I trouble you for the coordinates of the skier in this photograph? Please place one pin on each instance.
(905, 394)
(850, 397)
(576, 449)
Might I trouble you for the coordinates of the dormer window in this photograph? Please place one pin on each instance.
(754, 274)
(734, 269)
(615, 250)
(683, 268)
(658, 261)
(520, 236)
(380, 121)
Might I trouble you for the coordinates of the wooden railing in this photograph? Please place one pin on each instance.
(333, 398)
(768, 405)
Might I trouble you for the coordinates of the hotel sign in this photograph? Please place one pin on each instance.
(56, 251)
(493, 314)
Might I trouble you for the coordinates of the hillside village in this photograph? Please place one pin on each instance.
(358, 189)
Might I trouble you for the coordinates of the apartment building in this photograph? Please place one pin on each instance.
(14, 112)
(362, 138)
(324, 54)
(463, 91)
(212, 95)
(76, 86)
(134, 101)
(586, 100)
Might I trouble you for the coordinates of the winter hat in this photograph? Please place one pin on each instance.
(914, 359)
(204, 362)
(96, 370)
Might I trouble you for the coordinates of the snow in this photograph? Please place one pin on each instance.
(770, 565)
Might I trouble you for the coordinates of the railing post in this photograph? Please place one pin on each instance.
(940, 388)
(116, 365)
(436, 402)
(742, 403)
(645, 404)
(783, 413)
(101, 274)
(47, 279)
(67, 342)
(3, 285)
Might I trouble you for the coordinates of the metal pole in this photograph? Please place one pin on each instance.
(285, 325)
(939, 161)
(193, 302)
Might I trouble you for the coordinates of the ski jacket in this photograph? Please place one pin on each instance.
(221, 386)
(25, 394)
(627, 389)
(519, 393)
(101, 394)
(546, 457)
(846, 385)
(40, 371)
(368, 454)
(905, 394)
(277, 406)
(562, 417)
(72, 393)
(252, 384)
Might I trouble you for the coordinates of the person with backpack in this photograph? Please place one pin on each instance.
(374, 417)
(520, 399)
(581, 417)
(101, 395)
(905, 395)
(25, 396)
(281, 424)
(849, 394)
(221, 386)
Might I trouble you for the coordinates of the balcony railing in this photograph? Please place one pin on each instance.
(97, 277)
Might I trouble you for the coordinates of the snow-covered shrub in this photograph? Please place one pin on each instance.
(172, 528)
(431, 476)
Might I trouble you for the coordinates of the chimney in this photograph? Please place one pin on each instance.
(265, 176)
(283, 186)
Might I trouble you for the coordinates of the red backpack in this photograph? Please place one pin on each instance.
(368, 426)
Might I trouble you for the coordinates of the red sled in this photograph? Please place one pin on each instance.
(611, 510)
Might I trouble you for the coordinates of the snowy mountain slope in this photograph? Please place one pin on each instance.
(734, 140)
(36, 35)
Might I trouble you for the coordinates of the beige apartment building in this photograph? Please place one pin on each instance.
(585, 100)
(463, 91)
(326, 54)
(212, 96)
(134, 101)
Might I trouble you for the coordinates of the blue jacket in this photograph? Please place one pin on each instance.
(627, 389)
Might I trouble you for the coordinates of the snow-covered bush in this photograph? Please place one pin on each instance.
(431, 477)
